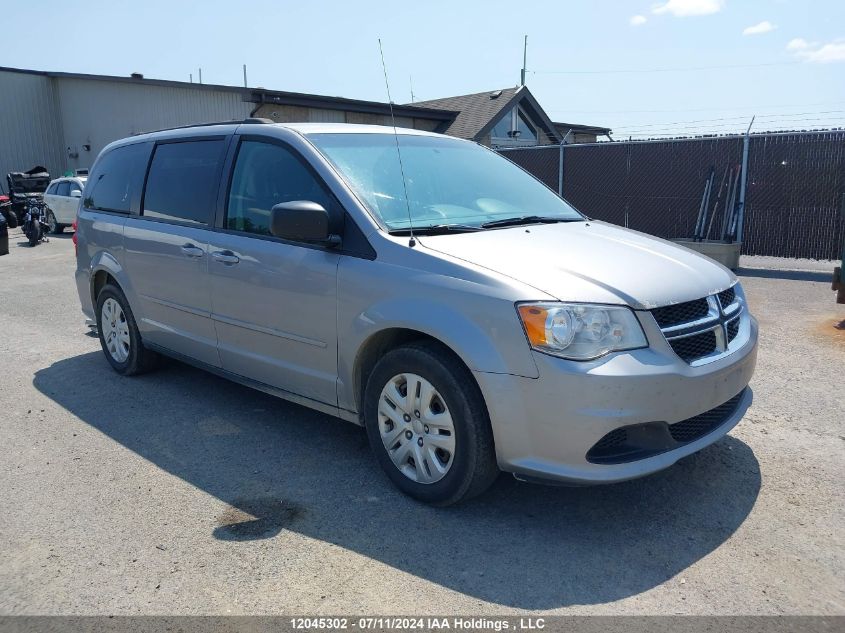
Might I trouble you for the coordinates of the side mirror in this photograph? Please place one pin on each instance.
(76, 193)
(302, 221)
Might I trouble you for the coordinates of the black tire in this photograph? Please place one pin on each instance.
(140, 359)
(32, 230)
(55, 227)
(473, 468)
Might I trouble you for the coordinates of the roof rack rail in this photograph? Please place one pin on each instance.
(250, 120)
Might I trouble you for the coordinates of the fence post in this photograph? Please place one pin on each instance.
(740, 214)
(560, 164)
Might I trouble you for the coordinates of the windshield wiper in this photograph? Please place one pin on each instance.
(527, 219)
(438, 229)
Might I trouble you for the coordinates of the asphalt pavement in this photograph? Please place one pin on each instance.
(178, 492)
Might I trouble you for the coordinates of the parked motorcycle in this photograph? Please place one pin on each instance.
(35, 225)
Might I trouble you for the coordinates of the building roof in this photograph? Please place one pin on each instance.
(479, 112)
(135, 78)
(261, 96)
(475, 111)
(578, 128)
(469, 116)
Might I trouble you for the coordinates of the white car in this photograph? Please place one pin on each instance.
(62, 200)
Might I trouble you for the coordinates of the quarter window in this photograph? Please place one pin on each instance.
(183, 179)
(114, 178)
(265, 175)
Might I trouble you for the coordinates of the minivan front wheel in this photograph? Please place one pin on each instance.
(119, 335)
(428, 425)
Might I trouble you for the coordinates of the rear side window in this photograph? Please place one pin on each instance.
(63, 189)
(115, 176)
(264, 176)
(183, 179)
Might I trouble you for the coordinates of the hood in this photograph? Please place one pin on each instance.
(590, 262)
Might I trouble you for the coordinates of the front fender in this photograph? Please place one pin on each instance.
(479, 325)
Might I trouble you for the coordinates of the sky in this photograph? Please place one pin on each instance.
(643, 68)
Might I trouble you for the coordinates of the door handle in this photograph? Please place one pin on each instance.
(192, 251)
(226, 257)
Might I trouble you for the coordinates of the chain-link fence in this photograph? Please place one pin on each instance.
(795, 192)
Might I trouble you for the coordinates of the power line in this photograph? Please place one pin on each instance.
(657, 70)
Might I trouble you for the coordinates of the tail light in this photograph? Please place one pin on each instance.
(73, 239)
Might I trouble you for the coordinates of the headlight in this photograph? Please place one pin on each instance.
(580, 331)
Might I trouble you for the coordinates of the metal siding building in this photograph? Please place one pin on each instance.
(95, 112)
(62, 121)
(30, 126)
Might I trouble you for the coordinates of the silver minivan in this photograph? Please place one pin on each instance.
(421, 286)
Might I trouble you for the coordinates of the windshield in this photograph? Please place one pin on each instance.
(449, 182)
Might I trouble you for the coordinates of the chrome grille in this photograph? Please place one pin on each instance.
(701, 330)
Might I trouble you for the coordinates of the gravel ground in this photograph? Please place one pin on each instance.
(181, 493)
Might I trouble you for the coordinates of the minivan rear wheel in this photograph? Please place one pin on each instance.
(119, 335)
(428, 425)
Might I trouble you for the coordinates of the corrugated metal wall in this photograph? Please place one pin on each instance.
(30, 128)
(96, 112)
(48, 120)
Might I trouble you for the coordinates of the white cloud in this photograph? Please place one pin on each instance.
(817, 53)
(798, 44)
(763, 27)
(637, 20)
(685, 8)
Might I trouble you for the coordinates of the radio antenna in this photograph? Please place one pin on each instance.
(411, 242)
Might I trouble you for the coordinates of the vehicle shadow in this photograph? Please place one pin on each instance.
(280, 466)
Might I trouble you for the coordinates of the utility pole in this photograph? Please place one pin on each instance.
(245, 84)
(740, 214)
(191, 77)
(411, 82)
(524, 61)
(200, 75)
(560, 163)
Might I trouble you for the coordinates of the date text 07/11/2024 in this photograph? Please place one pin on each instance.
(418, 623)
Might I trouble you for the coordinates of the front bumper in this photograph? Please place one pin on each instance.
(544, 427)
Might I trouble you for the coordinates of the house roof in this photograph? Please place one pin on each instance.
(475, 111)
(479, 112)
